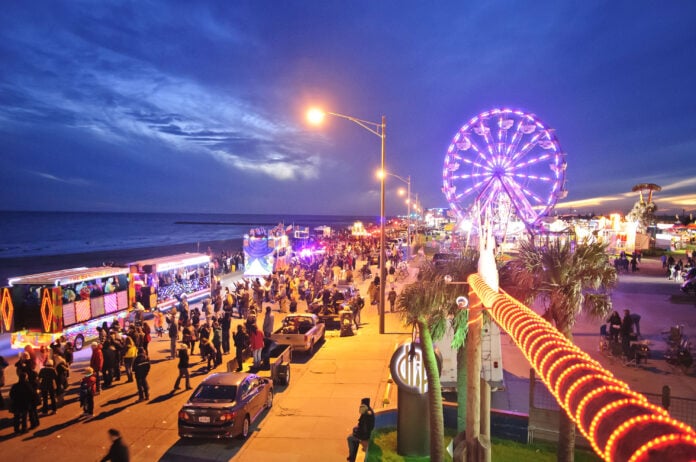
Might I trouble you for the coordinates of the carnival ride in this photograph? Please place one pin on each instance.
(508, 164)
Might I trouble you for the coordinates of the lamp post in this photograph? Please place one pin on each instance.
(316, 116)
(406, 180)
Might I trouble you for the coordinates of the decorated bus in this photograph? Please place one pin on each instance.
(39, 308)
(162, 282)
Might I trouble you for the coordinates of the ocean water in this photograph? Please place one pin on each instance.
(25, 234)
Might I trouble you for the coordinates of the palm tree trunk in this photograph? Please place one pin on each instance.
(566, 427)
(461, 389)
(437, 425)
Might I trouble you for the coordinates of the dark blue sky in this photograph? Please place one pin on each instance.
(198, 106)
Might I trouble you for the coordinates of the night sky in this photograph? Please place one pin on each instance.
(199, 106)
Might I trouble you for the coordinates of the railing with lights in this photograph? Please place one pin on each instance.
(620, 424)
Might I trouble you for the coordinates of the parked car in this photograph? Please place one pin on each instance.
(302, 330)
(224, 405)
(440, 260)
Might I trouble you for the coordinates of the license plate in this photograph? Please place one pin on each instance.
(204, 419)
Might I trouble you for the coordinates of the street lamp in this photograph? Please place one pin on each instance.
(407, 180)
(316, 116)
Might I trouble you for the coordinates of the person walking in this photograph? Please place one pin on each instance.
(268, 322)
(48, 379)
(392, 299)
(256, 343)
(21, 396)
(173, 332)
(118, 452)
(141, 367)
(88, 388)
(241, 340)
(183, 368)
(96, 363)
(366, 423)
(130, 352)
(226, 325)
(217, 343)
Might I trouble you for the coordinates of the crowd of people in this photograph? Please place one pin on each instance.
(318, 281)
(676, 270)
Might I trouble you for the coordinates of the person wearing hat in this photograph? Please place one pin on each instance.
(118, 452)
(183, 368)
(88, 388)
(361, 433)
(48, 379)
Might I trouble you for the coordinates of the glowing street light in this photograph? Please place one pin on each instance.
(316, 116)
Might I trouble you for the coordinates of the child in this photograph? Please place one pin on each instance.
(88, 388)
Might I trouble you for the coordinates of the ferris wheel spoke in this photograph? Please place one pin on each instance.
(531, 161)
(480, 153)
(525, 148)
(516, 137)
(519, 200)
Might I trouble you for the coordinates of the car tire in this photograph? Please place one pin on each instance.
(310, 350)
(246, 428)
(269, 399)
(79, 342)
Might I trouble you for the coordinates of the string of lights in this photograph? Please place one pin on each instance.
(619, 423)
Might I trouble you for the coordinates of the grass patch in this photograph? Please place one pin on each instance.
(383, 448)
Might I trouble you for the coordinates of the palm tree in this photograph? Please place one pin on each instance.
(429, 304)
(567, 281)
(421, 304)
(459, 270)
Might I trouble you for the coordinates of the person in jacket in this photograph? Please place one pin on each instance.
(268, 322)
(130, 352)
(217, 343)
(88, 389)
(366, 423)
(183, 368)
(48, 379)
(62, 373)
(118, 452)
(110, 363)
(392, 299)
(241, 340)
(141, 367)
(96, 362)
(226, 324)
(256, 343)
(21, 395)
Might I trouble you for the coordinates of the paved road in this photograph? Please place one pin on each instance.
(309, 420)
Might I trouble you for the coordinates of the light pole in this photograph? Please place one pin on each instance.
(316, 116)
(406, 180)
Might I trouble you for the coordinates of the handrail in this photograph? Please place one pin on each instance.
(619, 423)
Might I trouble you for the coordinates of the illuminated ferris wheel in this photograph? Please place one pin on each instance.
(507, 161)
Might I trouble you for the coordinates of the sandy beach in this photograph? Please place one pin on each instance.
(20, 266)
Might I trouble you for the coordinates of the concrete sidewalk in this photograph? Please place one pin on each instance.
(311, 419)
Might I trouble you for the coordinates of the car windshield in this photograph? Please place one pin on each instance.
(214, 393)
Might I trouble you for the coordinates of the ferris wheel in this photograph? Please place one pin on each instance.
(507, 161)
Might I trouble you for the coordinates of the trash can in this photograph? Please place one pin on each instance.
(346, 320)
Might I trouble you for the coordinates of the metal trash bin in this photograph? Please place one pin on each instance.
(346, 320)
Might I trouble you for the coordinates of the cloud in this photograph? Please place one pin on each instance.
(276, 166)
(72, 181)
(102, 88)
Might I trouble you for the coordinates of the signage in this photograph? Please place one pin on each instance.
(7, 309)
(408, 368)
(46, 310)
